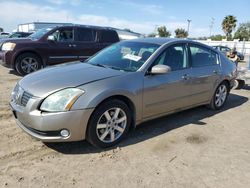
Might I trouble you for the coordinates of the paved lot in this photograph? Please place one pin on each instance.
(194, 148)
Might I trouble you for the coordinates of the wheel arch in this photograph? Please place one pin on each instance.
(29, 51)
(127, 101)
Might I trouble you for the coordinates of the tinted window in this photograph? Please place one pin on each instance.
(174, 56)
(108, 36)
(63, 35)
(85, 35)
(202, 56)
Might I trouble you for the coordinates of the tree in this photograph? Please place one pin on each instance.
(217, 37)
(151, 35)
(126, 29)
(243, 32)
(181, 33)
(1, 29)
(228, 25)
(163, 32)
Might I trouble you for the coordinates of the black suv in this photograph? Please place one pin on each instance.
(51, 46)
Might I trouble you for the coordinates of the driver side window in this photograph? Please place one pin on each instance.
(63, 35)
(174, 56)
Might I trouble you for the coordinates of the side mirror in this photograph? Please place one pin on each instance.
(51, 38)
(160, 69)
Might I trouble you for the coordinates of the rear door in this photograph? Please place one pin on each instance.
(86, 42)
(205, 72)
(62, 48)
(107, 37)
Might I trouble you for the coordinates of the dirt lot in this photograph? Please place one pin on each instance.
(195, 148)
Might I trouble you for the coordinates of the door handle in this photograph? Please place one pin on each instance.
(185, 77)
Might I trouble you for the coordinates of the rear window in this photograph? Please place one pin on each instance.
(85, 35)
(201, 56)
(108, 36)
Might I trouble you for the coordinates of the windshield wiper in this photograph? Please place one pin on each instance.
(99, 65)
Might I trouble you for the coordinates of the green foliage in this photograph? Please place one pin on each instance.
(1, 29)
(163, 32)
(151, 35)
(228, 25)
(217, 37)
(181, 33)
(243, 32)
(126, 29)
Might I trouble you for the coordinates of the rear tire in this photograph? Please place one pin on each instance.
(220, 96)
(109, 124)
(27, 63)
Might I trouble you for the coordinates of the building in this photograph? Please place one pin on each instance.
(34, 26)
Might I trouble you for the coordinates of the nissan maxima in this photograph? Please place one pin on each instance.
(120, 87)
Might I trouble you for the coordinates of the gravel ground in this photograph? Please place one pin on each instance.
(194, 148)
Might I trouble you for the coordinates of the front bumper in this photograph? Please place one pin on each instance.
(6, 58)
(47, 126)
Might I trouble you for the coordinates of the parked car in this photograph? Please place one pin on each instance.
(4, 35)
(50, 46)
(226, 49)
(123, 85)
(19, 35)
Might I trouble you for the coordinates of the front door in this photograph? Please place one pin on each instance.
(63, 47)
(168, 92)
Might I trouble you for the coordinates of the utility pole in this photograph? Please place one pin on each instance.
(211, 27)
(188, 25)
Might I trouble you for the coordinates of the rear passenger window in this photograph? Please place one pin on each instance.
(202, 56)
(108, 36)
(86, 35)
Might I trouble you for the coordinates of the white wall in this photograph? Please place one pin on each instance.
(241, 46)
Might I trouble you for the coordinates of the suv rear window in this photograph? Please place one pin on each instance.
(85, 35)
(108, 36)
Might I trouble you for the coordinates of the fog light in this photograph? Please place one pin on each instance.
(64, 133)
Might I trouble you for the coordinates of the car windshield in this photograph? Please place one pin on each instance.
(38, 34)
(124, 56)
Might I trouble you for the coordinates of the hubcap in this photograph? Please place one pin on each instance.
(111, 125)
(220, 95)
(29, 64)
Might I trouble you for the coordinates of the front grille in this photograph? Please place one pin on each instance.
(25, 98)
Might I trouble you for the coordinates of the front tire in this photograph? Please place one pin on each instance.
(27, 63)
(220, 96)
(109, 124)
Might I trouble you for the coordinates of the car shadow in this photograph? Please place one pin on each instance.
(246, 87)
(153, 128)
(13, 72)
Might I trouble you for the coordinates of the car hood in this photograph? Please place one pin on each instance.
(15, 40)
(46, 81)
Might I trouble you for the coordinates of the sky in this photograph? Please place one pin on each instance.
(142, 16)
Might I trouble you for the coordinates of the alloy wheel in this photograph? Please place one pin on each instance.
(220, 95)
(111, 125)
(29, 64)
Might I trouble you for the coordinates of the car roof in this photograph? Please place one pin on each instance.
(86, 26)
(164, 40)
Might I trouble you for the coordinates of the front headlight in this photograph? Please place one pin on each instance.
(8, 46)
(61, 101)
